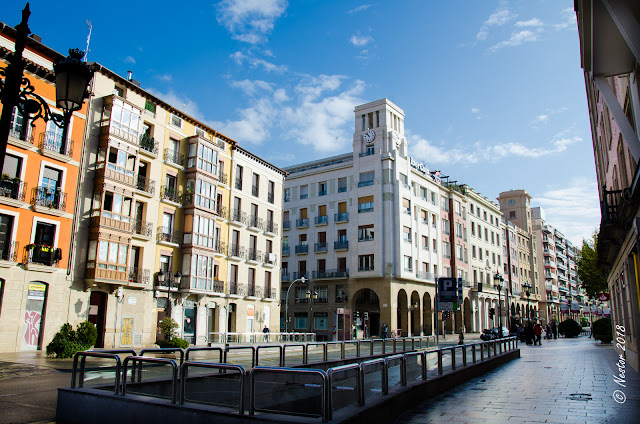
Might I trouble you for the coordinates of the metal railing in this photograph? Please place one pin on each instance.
(49, 198)
(355, 384)
(13, 188)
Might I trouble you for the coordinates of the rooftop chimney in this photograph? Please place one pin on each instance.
(129, 75)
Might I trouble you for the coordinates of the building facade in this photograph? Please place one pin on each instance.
(37, 205)
(609, 47)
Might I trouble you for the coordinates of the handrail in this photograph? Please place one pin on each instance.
(222, 367)
(358, 389)
(202, 348)
(346, 343)
(304, 352)
(363, 365)
(174, 372)
(280, 353)
(403, 374)
(423, 361)
(253, 353)
(258, 370)
(165, 350)
(361, 342)
(338, 343)
(325, 351)
(74, 370)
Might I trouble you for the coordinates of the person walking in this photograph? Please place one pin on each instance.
(547, 332)
(266, 332)
(460, 337)
(537, 330)
(554, 329)
(385, 330)
(528, 333)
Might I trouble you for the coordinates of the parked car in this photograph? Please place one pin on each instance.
(494, 333)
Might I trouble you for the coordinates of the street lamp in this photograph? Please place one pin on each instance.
(497, 281)
(72, 77)
(311, 297)
(286, 306)
(527, 287)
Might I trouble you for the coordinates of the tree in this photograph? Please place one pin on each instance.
(592, 279)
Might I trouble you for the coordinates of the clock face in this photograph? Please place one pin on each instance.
(512, 202)
(369, 136)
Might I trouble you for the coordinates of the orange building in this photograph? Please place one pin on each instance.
(38, 188)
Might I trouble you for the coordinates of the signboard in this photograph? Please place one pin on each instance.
(447, 290)
(132, 300)
(447, 306)
(251, 311)
(603, 297)
(126, 332)
(340, 311)
(36, 291)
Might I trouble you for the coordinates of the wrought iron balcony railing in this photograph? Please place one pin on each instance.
(171, 194)
(143, 228)
(168, 235)
(49, 198)
(148, 144)
(43, 254)
(13, 189)
(9, 250)
(146, 184)
(139, 275)
(50, 141)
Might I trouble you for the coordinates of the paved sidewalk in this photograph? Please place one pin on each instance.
(562, 381)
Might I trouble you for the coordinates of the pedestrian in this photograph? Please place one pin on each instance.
(591, 327)
(460, 337)
(385, 330)
(528, 333)
(554, 329)
(547, 332)
(266, 332)
(537, 330)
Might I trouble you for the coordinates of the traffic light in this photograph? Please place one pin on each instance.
(492, 312)
(446, 314)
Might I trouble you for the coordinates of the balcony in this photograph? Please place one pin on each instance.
(304, 196)
(341, 217)
(43, 255)
(238, 183)
(146, 185)
(254, 255)
(321, 220)
(23, 136)
(222, 177)
(109, 220)
(170, 194)
(52, 199)
(9, 251)
(270, 197)
(330, 273)
(365, 183)
(298, 275)
(168, 235)
(270, 259)
(285, 276)
(270, 293)
(286, 225)
(255, 191)
(285, 250)
(365, 207)
(256, 222)
(423, 275)
(236, 251)
(174, 157)
(220, 248)
(320, 247)
(271, 227)
(142, 228)
(12, 189)
(341, 245)
(302, 249)
(239, 217)
(52, 145)
(139, 276)
(365, 238)
(302, 223)
(148, 145)
(236, 289)
(366, 268)
(342, 189)
(202, 284)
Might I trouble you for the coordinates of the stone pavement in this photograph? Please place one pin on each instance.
(562, 381)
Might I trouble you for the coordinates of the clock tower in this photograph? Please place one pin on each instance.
(379, 128)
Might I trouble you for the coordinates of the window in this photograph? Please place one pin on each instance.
(365, 263)
(459, 252)
(125, 119)
(456, 207)
(473, 252)
(434, 198)
(116, 206)
(366, 178)
(202, 272)
(406, 206)
(200, 132)
(111, 255)
(365, 232)
(304, 191)
(406, 234)
(458, 230)
(365, 204)
(271, 188)
(408, 263)
(322, 188)
(7, 242)
(444, 204)
(486, 234)
(446, 249)
(445, 226)
(323, 293)
(473, 229)
(255, 184)
(404, 180)
(342, 184)
(424, 217)
(48, 193)
(287, 194)
(207, 158)
(239, 171)
(425, 243)
(204, 231)
(121, 161)
(300, 318)
(512, 214)
(19, 126)
(341, 294)
(53, 138)
(176, 121)
(423, 193)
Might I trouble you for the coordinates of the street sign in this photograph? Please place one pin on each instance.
(459, 290)
(446, 306)
(448, 290)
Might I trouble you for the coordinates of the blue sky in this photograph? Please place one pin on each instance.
(492, 91)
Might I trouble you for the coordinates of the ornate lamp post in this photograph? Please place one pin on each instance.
(303, 280)
(497, 282)
(72, 79)
(527, 287)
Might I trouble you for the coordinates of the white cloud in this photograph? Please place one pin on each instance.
(318, 115)
(568, 17)
(534, 22)
(164, 77)
(539, 121)
(254, 62)
(497, 18)
(358, 41)
(252, 88)
(517, 38)
(430, 152)
(359, 8)
(130, 59)
(180, 102)
(573, 208)
(475, 110)
(250, 21)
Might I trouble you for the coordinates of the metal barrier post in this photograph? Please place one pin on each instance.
(439, 361)
(221, 367)
(174, 373)
(464, 355)
(453, 358)
(481, 351)
(494, 349)
(473, 353)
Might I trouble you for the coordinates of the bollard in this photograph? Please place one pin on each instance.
(439, 361)
(473, 353)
